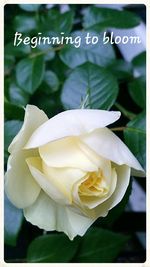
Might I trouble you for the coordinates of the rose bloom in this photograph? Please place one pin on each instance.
(67, 171)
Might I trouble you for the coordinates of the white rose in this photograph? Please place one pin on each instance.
(67, 171)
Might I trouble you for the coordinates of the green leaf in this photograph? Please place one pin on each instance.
(24, 23)
(137, 91)
(135, 137)
(125, 112)
(11, 128)
(6, 155)
(59, 68)
(51, 82)
(13, 219)
(89, 78)
(52, 248)
(99, 53)
(17, 51)
(55, 22)
(47, 49)
(13, 112)
(139, 63)
(29, 73)
(101, 246)
(17, 95)
(49, 104)
(98, 18)
(6, 87)
(30, 7)
(9, 61)
(121, 69)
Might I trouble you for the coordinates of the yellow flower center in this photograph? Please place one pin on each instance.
(94, 185)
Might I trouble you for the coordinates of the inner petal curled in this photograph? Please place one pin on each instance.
(94, 189)
(94, 185)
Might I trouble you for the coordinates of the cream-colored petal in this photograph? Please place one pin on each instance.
(105, 167)
(34, 117)
(100, 162)
(63, 178)
(93, 201)
(71, 123)
(48, 215)
(123, 179)
(123, 174)
(66, 153)
(105, 143)
(78, 203)
(42, 213)
(35, 166)
(71, 222)
(79, 223)
(20, 187)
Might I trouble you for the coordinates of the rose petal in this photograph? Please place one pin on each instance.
(105, 143)
(93, 201)
(63, 178)
(100, 162)
(20, 186)
(35, 166)
(48, 215)
(66, 153)
(123, 174)
(42, 213)
(79, 223)
(34, 117)
(105, 167)
(71, 123)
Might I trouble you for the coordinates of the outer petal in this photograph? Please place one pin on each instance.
(20, 186)
(79, 223)
(42, 213)
(105, 143)
(71, 123)
(35, 166)
(34, 117)
(66, 153)
(48, 215)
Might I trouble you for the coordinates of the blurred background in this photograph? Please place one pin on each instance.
(61, 77)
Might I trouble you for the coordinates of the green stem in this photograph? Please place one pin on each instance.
(84, 102)
(118, 129)
(125, 112)
(40, 53)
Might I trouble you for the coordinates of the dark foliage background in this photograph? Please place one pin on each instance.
(64, 77)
